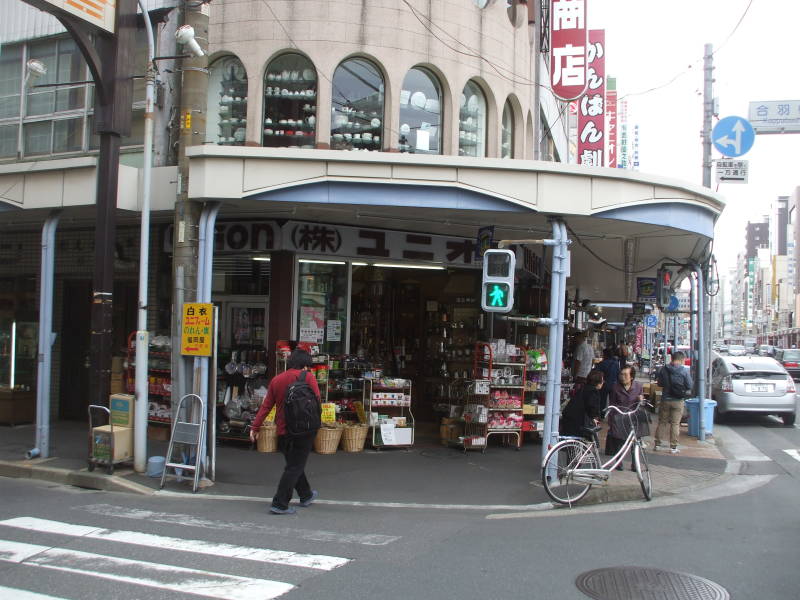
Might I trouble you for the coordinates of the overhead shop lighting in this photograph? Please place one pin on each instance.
(262, 258)
(322, 262)
(399, 266)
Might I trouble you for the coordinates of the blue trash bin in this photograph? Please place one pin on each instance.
(693, 406)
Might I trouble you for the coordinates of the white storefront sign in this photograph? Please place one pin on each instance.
(775, 116)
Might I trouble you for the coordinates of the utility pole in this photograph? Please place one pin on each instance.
(708, 111)
(194, 89)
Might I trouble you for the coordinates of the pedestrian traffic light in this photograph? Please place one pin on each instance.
(663, 290)
(497, 286)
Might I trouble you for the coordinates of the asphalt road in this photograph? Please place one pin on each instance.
(85, 545)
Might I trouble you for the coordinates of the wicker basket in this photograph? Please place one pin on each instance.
(327, 440)
(353, 438)
(267, 440)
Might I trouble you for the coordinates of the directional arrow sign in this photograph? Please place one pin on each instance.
(733, 136)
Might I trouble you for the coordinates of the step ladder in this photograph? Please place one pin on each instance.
(189, 433)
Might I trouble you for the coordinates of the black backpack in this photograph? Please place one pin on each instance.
(301, 408)
(678, 389)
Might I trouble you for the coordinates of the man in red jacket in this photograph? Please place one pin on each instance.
(295, 449)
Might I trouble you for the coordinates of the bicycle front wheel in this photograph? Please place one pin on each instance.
(558, 467)
(643, 471)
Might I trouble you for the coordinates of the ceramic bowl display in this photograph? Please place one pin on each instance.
(375, 122)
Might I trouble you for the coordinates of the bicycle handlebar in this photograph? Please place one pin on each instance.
(627, 413)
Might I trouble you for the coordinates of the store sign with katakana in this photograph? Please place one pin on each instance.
(732, 170)
(592, 106)
(568, 48)
(197, 329)
(611, 122)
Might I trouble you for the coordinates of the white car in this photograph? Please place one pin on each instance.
(736, 350)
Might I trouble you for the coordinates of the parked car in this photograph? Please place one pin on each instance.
(753, 384)
(790, 359)
(736, 350)
(766, 350)
(750, 347)
(723, 348)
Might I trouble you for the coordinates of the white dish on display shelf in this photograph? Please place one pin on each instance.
(418, 100)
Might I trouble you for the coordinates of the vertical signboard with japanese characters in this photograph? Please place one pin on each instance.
(568, 41)
(196, 329)
(591, 108)
(611, 122)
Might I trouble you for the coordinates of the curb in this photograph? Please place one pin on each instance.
(81, 478)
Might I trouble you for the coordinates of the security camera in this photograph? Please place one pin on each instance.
(185, 36)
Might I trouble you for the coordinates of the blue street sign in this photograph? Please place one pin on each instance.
(673, 304)
(651, 321)
(733, 136)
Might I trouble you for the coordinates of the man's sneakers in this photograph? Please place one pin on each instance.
(282, 511)
(658, 448)
(310, 500)
(674, 451)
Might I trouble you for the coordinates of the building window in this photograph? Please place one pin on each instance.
(227, 102)
(8, 140)
(507, 132)
(472, 121)
(290, 102)
(420, 113)
(358, 108)
(65, 64)
(10, 80)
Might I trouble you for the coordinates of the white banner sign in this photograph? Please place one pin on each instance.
(775, 116)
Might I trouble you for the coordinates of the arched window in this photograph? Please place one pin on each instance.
(357, 111)
(420, 113)
(290, 102)
(507, 132)
(472, 121)
(227, 102)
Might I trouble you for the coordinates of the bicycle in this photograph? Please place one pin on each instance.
(573, 465)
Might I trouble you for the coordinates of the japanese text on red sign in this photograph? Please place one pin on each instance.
(568, 48)
(591, 109)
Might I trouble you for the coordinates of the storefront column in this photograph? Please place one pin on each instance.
(281, 300)
(558, 283)
(46, 337)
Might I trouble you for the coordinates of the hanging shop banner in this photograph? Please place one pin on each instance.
(591, 109)
(568, 48)
(637, 347)
(196, 329)
(646, 289)
(611, 122)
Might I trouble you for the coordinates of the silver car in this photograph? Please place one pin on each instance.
(753, 384)
(736, 350)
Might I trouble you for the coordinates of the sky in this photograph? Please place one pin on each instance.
(648, 42)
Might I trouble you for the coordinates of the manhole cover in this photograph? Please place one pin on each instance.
(642, 583)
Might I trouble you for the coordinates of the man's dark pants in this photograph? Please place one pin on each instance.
(295, 450)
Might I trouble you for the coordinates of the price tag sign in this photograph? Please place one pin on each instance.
(482, 386)
(328, 412)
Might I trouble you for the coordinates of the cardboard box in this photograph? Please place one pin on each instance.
(101, 443)
(122, 408)
(117, 365)
(117, 385)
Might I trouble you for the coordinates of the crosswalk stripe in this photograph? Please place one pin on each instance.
(314, 535)
(138, 572)
(279, 557)
(17, 594)
(794, 453)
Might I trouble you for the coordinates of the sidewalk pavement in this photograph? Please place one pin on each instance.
(428, 475)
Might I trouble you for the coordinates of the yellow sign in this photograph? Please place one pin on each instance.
(328, 412)
(100, 13)
(197, 329)
(187, 120)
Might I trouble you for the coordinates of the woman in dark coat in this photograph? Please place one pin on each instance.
(626, 395)
(584, 409)
(610, 368)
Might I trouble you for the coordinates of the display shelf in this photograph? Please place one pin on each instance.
(159, 387)
(401, 420)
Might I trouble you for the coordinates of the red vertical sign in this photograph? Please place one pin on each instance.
(611, 126)
(637, 347)
(591, 109)
(568, 48)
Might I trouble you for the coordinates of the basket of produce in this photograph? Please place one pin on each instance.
(327, 440)
(353, 437)
(267, 440)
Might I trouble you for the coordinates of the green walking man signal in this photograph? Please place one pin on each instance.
(497, 286)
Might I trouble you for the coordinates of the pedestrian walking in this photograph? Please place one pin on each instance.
(583, 411)
(584, 358)
(610, 369)
(626, 394)
(676, 383)
(296, 428)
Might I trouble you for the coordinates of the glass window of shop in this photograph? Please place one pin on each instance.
(322, 304)
(507, 132)
(357, 111)
(290, 102)
(420, 113)
(18, 333)
(10, 80)
(472, 121)
(227, 102)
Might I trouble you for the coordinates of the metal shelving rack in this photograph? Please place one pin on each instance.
(484, 371)
(400, 407)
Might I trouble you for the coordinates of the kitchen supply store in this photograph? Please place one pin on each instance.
(371, 260)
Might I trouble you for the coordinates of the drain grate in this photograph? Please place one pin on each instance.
(638, 583)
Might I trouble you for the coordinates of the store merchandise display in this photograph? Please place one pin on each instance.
(290, 106)
(159, 378)
(232, 107)
(387, 401)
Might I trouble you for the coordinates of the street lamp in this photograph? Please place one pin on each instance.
(185, 36)
(33, 70)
